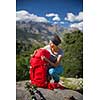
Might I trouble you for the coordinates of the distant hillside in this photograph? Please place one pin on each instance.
(36, 31)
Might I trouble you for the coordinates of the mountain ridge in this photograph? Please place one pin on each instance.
(38, 31)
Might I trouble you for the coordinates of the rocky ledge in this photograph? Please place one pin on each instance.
(57, 94)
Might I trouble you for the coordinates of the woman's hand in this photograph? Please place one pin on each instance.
(32, 55)
(43, 57)
(51, 63)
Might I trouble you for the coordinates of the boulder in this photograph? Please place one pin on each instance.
(56, 94)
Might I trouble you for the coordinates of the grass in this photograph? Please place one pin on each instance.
(73, 83)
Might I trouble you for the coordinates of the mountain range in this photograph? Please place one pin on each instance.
(38, 31)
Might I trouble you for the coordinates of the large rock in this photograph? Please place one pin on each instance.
(57, 94)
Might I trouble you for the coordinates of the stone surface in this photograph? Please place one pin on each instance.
(57, 94)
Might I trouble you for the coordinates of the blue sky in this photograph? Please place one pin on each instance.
(55, 11)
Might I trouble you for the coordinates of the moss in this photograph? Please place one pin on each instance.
(73, 83)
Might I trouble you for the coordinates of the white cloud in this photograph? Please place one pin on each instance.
(65, 18)
(26, 16)
(80, 16)
(77, 25)
(61, 22)
(71, 17)
(51, 15)
(55, 16)
(55, 23)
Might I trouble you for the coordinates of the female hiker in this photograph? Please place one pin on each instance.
(56, 54)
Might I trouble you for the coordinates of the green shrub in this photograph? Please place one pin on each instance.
(73, 54)
(23, 52)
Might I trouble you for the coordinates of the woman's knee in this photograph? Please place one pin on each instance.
(59, 70)
(51, 71)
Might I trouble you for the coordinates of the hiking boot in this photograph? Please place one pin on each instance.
(56, 81)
